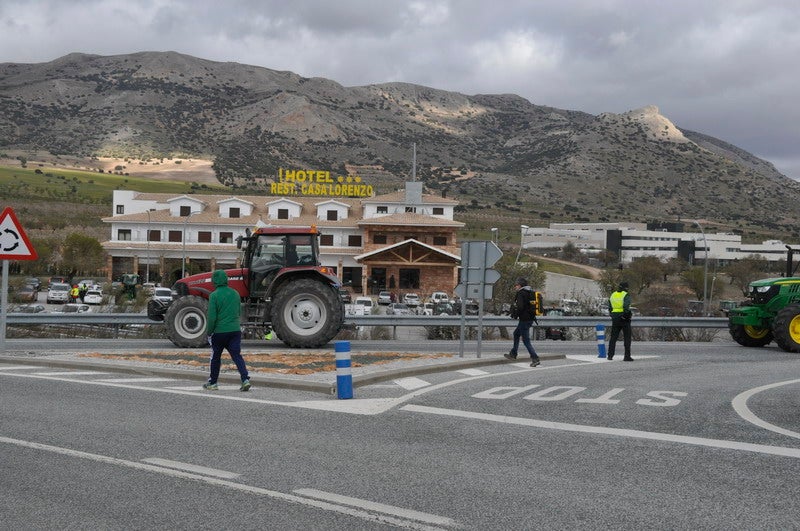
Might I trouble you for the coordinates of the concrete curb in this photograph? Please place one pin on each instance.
(287, 382)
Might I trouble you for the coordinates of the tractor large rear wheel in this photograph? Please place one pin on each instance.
(750, 336)
(307, 313)
(786, 328)
(186, 322)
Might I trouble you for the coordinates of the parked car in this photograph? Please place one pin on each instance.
(343, 293)
(554, 332)
(26, 293)
(58, 293)
(35, 282)
(57, 280)
(148, 288)
(443, 308)
(75, 307)
(163, 294)
(398, 308)
(427, 309)
(439, 296)
(411, 299)
(93, 296)
(28, 308)
(365, 302)
(384, 298)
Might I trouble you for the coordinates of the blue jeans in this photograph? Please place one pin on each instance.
(523, 330)
(233, 342)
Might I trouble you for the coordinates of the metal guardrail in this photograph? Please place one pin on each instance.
(387, 320)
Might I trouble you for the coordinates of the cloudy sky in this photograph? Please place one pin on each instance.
(727, 68)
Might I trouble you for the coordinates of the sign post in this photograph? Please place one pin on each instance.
(14, 245)
(477, 279)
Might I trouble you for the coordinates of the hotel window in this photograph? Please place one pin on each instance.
(154, 236)
(185, 211)
(175, 236)
(411, 209)
(120, 209)
(225, 237)
(333, 215)
(283, 213)
(326, 240)
(233, 212)
(354, 240)
(204, 236)
(124, 234)
(440, 240)
(438, 211)
(382, 210)
(379, 238)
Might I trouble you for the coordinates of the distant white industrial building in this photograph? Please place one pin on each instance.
(634, 240)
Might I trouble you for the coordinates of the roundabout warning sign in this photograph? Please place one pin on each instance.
(14, 243)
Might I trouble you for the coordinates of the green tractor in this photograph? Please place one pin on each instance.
(771, 312)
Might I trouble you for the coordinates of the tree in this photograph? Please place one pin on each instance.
(643, 272)
(746, 270)
(570, 252)
(503, 291)
(83, 253)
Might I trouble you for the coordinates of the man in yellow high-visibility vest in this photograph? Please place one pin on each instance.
(619, 306)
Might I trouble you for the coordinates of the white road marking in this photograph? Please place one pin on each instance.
(472, 372)
(17, 367)
(199, 388)
(595, 359)
(137, 380)
(377, 507)
(291, 498)
(188, 467)
(739, 404)
(637, 434)
(411, 383)
(69, 373)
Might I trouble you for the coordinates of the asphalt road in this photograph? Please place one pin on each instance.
(686, 437)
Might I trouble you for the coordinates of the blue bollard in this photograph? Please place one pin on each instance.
(344, 374)
(601, 340)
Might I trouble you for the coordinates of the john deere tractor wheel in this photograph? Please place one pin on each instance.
(750, 336)
(307, 313)
(186, 322)
(786, 328)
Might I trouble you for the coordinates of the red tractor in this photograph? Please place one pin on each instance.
(283, 289)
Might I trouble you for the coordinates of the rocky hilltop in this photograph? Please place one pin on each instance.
(506, 159)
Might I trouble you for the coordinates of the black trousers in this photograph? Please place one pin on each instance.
(619, 324)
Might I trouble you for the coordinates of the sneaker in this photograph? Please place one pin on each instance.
(627, 359)
(535, 362)
(210, 387)
(510, 356)
(245, 386)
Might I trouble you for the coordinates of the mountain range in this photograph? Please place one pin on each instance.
(506, 159)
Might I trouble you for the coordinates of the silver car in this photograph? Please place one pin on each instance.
(58, 292)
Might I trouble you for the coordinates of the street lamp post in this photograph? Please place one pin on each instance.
(183, 262)
(494, 234)
(705, 268)
(147, 264)
(521, 241)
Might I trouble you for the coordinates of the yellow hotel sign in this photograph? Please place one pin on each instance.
(319, 183)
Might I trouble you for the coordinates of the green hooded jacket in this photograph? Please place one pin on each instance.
(224, 306)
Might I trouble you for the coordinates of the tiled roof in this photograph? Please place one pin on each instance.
(410, 218)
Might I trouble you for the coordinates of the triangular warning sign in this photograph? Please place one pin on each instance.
(14, 243)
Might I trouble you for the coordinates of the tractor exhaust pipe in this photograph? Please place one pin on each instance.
(789, 255)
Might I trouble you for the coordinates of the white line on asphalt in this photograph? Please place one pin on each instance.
(188, 467)
(291, 498)
(739, 404)
(17, 367)
(377, 507)
(473, 372)
(136, 380)
(411, 383)
(667, 437)
(69, 373)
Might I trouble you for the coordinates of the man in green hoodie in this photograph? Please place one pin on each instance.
(224, 330)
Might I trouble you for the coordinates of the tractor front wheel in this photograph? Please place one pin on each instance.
(750, 336)
(786, 328)
(186, 322)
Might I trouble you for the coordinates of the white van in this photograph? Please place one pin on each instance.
(366, 302)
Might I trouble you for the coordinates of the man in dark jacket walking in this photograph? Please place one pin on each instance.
(224, 330)
(525, 312)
